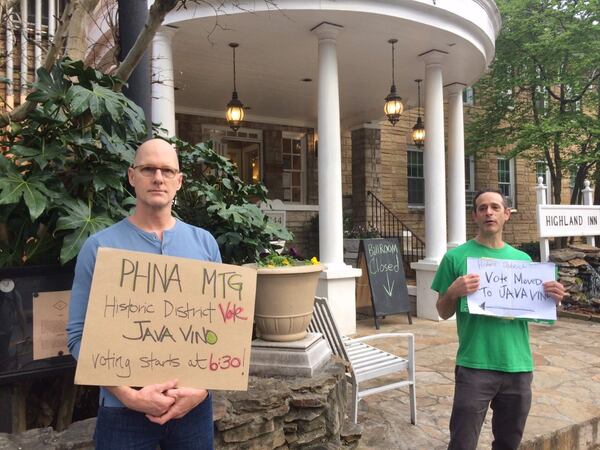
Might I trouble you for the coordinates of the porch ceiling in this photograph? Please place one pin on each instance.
(277, 50)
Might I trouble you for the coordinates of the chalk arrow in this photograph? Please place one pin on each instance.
(389, 289)
(482, 306)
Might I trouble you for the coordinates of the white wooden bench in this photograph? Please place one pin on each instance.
(365, 362)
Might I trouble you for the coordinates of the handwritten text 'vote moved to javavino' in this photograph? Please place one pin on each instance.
(510, 288)
(168, 315)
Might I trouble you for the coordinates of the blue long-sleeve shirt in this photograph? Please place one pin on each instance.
(182, 240)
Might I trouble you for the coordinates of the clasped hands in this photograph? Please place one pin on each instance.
(165, 401)
(469, 283)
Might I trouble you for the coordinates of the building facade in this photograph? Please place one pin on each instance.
(313, 76)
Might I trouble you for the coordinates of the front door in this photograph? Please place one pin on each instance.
(246, 157)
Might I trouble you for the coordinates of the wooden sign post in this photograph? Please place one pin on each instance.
(152, 318)
(389, 294)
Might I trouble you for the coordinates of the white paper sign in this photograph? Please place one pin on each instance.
(510, 288)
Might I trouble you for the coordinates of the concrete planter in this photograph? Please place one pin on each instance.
(284, 301)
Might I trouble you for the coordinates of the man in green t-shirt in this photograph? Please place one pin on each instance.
(494, 364)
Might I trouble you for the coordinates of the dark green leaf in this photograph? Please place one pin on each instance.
(78, 99)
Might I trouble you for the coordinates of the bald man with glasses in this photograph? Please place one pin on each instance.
(167, 415)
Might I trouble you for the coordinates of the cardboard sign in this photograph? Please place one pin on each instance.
(152, 318)
(511, 288)
(50, 315)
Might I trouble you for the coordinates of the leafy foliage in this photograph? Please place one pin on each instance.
(61, 168)
(272, 260)
(541, 97)
(215, 198)
(62, 175)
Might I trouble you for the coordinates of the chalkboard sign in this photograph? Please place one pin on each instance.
(389, 294)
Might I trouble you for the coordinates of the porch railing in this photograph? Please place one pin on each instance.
(390, 226)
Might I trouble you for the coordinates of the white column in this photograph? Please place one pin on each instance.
(37, 42)
(540, 192)
(331, 244)
(51, 19)
(163, 80)
(435, 185)
(434, 158)
(588, 199)
(10, 73)
(457, 221)
(337, 282)
(23, 62)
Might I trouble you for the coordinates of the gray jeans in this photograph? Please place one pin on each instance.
(509, 395)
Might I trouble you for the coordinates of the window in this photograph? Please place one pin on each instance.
(469, 180)
(31, 12)
(416, 180)
(468, 96)
(541, 171)
(293, 151)
(506, 179)
(243, 148)
(574, 106)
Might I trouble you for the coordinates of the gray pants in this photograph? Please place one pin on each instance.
(509, 395)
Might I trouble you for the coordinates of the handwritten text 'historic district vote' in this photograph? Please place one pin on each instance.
(180, 316)
(511, 288)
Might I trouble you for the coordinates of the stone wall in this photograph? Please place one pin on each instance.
(366, 164)
(304, 226)
(275, 413)
(578, 268)
(284, 413)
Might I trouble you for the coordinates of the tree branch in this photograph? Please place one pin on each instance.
(156, 15)
(5, 7)
(76, 40)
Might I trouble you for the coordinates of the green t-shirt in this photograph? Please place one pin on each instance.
(485, 342)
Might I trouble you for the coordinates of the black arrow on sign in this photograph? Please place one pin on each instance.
(482, 306)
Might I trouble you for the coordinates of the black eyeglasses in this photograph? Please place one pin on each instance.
(150, 171)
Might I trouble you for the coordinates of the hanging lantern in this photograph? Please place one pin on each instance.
(393, 106)
(235, 108)
(418, 131)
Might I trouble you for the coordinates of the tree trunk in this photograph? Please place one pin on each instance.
(582, 173)
(77, 44)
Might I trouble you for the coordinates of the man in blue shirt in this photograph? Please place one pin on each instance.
(164, 414)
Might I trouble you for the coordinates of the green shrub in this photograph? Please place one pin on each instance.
(531, 248)
(214, 197)
(61, 171)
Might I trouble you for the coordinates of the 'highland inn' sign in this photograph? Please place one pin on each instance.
(568, 220)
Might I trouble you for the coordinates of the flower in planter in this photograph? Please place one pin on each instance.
(288, 258)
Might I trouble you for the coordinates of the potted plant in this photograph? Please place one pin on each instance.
(285, 291)
(353, 235)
